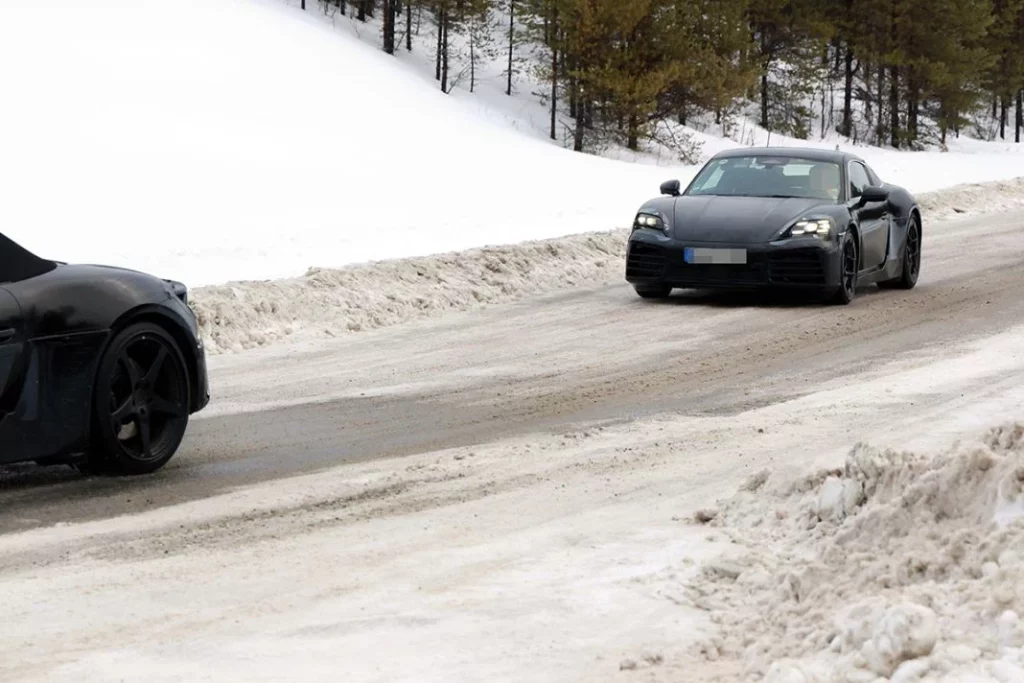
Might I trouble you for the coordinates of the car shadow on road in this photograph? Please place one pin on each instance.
(750, 298)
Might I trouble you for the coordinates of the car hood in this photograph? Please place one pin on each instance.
(100, 268)
(736, 219)
(99, 271)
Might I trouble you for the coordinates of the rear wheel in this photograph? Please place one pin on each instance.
(140, 404)
(658, 291)
(911, 260)
(849, 264)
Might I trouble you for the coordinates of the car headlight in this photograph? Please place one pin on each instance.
(649, 220)
(812, 227)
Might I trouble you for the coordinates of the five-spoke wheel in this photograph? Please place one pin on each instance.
(141, 401)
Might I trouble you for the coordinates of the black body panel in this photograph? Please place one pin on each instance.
(63, 317)
(760, 225)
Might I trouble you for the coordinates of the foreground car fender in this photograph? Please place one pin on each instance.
(66, 318)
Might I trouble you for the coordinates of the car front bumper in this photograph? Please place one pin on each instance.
(807, 262)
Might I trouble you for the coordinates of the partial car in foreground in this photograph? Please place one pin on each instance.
(777, 217)
(100, 367)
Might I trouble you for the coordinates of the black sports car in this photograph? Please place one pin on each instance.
(777, 217)
(100, 367)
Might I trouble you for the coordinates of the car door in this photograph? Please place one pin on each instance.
(12, 344)
(872, 219)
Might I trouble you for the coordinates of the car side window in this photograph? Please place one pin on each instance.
(858, 179)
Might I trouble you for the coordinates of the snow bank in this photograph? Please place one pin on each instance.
(973, 198)
(212, 142)
(327, 303)
(897, 567)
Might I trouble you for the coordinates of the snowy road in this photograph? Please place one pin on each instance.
(592, 355)
(432, 551)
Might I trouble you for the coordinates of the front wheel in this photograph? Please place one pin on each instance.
(140, 404)
(849, 265)
(658, 291)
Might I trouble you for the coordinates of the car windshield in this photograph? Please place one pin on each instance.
(768, 176)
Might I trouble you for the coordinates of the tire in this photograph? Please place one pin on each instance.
(911, 267)
(849, 258)
(140, 402)
(658, 291)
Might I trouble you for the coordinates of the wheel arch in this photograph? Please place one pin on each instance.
(915, 212)
(157, 315)
(852, 227)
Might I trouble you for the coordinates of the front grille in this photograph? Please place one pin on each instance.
(719, 273)
(796, 267)
(750, 273)
(645, 261)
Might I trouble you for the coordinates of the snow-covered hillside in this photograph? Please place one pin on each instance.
(215, 140)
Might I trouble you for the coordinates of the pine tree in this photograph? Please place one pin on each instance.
(789, 37)
(949, 52)
(1004, 47)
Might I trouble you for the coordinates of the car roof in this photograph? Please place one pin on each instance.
(813, 153)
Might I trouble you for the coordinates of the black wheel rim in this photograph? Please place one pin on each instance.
(913, 258)
(850, 267)
(148, 399)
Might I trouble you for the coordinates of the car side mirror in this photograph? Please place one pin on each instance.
(874, 193)
(671, 188)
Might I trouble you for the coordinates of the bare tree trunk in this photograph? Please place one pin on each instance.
(577, 142)
(389, 26)
(633, 138)
(1004, 111)
(408, 25)
(472, 56)
(913, 106)
(1019, 124)
(440, 44)
(824, 106)
(303, 5)
(764, 85)
(881, 104)
(511, 43)
(894, 106)
(554, 74)
(444, 50)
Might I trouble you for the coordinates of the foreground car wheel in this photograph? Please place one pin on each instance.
(911, 260)
(653, 291)
(848, 266)
(140, 405)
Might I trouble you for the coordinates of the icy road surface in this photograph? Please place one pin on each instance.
(531, 527)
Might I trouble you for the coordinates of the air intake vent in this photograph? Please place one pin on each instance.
(645, 261)
(797, 267)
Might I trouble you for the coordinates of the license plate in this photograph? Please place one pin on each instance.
(716, 256)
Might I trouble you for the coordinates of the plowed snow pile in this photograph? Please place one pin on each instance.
(328, 302)
(897, 567)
